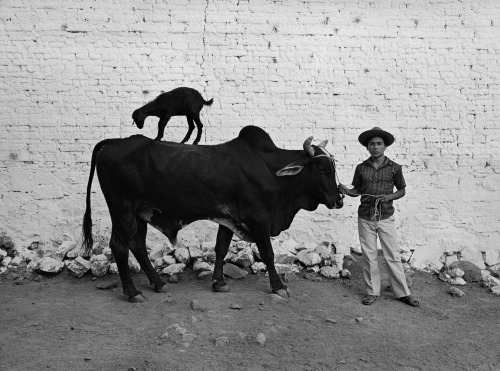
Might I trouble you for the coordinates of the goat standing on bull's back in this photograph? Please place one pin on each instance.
(178, 102)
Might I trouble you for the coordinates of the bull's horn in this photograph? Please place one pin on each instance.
(323, 143)
(307, 146)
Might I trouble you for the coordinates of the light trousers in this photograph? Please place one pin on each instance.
(386, 231)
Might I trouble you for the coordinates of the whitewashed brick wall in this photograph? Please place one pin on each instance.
(72, 72)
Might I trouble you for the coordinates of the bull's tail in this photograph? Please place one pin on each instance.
(209, 102)
(88, 240)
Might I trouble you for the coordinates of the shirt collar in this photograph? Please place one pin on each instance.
(386, 162)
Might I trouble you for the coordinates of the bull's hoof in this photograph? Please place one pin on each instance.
(220, 287)
(161, 288)
(284, 293)
(137, 299)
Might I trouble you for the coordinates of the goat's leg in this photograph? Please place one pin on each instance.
(199, 126)
(190, 130)
(161, 126)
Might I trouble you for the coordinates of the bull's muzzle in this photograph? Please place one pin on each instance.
(339, 204)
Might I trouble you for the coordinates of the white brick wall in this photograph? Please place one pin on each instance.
(71, 74)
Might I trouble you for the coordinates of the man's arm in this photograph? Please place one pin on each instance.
(353, 192)
(393, 196)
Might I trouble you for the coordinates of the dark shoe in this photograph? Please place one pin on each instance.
(369, 299)
(356, 251)
(410, 300)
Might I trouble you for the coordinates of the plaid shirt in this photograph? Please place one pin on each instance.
(375, 182)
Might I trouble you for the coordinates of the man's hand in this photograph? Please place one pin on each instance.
(353, 192)
(384, 198)
(343, 189)
(393, 196)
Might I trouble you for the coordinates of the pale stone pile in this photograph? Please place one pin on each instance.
(488, 280)
(290, 257)
(453, 276)
(463, 272)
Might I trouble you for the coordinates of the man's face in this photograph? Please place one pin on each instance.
(376, 147)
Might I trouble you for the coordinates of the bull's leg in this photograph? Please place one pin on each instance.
(119, 244)
(138, 247)
(199, 127)
(161, 126)
(263, 241)
(190, 129)
(222, 243)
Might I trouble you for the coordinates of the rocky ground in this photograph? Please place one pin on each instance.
(62, 322)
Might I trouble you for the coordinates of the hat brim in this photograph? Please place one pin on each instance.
(365, 137)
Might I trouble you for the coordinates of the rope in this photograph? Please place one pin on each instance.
(377, 210)
(377, 203)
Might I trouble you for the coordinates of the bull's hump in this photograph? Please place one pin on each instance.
(257, 138)
(138, 137)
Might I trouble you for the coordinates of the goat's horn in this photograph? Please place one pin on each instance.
(307, 146)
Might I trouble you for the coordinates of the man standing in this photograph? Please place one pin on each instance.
(375, 179)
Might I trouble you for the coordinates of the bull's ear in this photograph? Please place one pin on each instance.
(291, 169)
(323, 143)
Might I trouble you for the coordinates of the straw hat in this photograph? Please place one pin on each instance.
(365, 137)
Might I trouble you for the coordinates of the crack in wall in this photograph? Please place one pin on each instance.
(204, 45)
(202, 65)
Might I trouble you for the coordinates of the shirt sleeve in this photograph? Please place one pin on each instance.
(399, 180)
(356, 180)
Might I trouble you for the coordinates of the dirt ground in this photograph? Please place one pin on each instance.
(65, 323)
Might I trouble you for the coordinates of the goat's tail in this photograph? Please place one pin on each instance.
(88, 240)
(209, 102)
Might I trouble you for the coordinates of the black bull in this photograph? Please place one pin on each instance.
(248, 186)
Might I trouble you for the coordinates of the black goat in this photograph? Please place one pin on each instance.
(178, 102)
